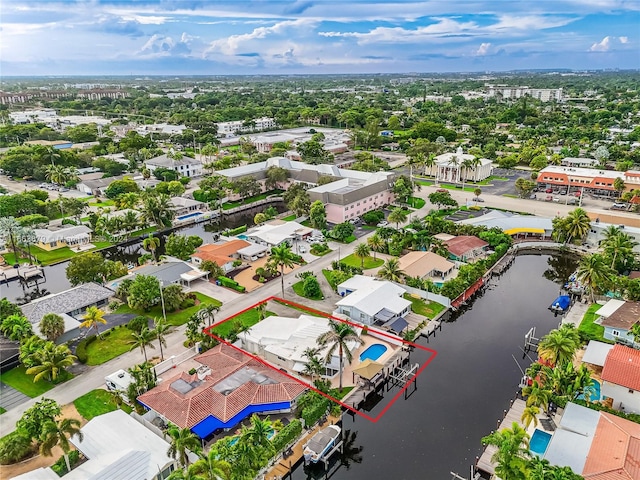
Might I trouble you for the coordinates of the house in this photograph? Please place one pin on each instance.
(168, 273)
(184, 167)
(618, 317)
(425, 265)
(371, 301)
(596, 445)
(95, 184)
(228, 387)
(282, 341)
(116, 447)
(278, 232)
(70, 305)
(224, 254)
(453, 167)
(183, 206)
(621, 378)
(466, 248)
(518, 226)
(72, 236)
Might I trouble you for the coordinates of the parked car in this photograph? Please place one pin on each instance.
(556, 199)
(548, 198)
(619, 206)
(478, 199)
(382, 223)
(302, 249)
(442, 190)
(572, 201)
(533, 196)
(549, 190)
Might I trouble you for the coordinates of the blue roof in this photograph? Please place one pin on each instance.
(207, 426)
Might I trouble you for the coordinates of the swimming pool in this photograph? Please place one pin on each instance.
(242, 236)
(539, 442)
(236, 438)
(373, 352)
(594, 393)
(189, 215)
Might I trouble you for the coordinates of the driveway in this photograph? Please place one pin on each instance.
(10, 397)
(225, 295)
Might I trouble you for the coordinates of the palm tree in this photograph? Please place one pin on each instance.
(593, 273)
(428, 162)
(130, 221)
(577, 224)
(57, 434)
(10, 230)
(160, 331)
(210, 467)
(559, 345)
(51, 326)
(397, 216)
(337, 337)
(183, 440)
(512, 453)
(362, 251)
(391, 270)
(16, 327)
(262, 311)
(282, 256)
(208, 313)
(529, 414)
(314, 366)
(537, 395)
(56, 174)
(50, 361)
(618, 245)
(376, 243)
(466, 165)
(92, 318)
(151, 244)
(52, 154)
(143, 340)
(258, 434)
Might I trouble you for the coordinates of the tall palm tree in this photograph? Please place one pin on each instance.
(620, 245)
(397, 216)
(151, 244)
(512, 453)
(428, 162)
(50, 361)
(593, 273)
(28, 237)
(577, 224)
(537, 395)
(210, 467)
(161, 328)
(391, 270)
(92, 318)
(362, 251)
(529, 415)
(57, 434)
(466, 165)
(143, 340)
(559, 345)
(376, 243)
(314, 366)
(56, 174)
(208, 313)
(258, 434)
(183, 441)
(337, 337)
(52, 154)
(282, 256)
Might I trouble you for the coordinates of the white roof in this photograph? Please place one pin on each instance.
(39, 474)
(582, 172)
(506, 221)
(117, 446)
(596, 352)
(274, 233)
(376, 296)
(46, 236)
(357, 282)
(609, 308)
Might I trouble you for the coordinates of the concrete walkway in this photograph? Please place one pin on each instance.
(575, 314)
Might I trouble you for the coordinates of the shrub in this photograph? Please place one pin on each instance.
(287, 435)
(138, 323)
(60, 467)
(237, 263)
(373, 217)
(187, 303)
(68, 221)
(230, 283)
(235, 231)
(81, 349)
(14, 447)
(192, 371)
(113, 305)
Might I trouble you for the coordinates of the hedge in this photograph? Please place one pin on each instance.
(230, 283)
(81, 349)
(60, 467)
(315, 411)
(285, 436)
(15, 447)
(235, 231)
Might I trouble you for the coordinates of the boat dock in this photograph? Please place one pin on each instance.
(24, 273)
(504, 263)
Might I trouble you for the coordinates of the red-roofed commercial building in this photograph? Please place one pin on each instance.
(593, 180)
(621, 378)
(466, 248)
(228, 387)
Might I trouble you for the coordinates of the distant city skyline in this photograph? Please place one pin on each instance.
(201, 37)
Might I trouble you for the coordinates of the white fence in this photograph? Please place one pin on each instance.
(434, 297)
(175, 360)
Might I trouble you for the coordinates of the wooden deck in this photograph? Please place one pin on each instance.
(513, 415)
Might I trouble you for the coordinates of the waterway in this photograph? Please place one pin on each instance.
(463, 392)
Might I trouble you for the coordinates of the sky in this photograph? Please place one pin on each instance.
(212, 37)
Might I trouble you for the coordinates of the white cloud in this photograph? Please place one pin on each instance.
(161, 45)
(623, 40)
(483, 49)
(602, 46)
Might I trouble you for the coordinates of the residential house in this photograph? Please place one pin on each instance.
(466, 248)
(116, 447)
(450, 167)
(278, 232)
(596, 445)
(70, 305)
(74, 236)
(95, 184)
(425, 265)
(618, 317)
(184, 167)
(183, 206)
(370, 301)
(224, 254)
(282, 341)
(228, 387)
(169, 272)
(621, 378)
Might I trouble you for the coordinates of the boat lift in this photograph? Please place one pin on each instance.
(401, 376)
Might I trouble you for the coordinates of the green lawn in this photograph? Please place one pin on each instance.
(2, 410)
(321, 254)
(95, 403)
(417, 202)
(105, 203)
(369, 262)
(349, 239)
(339, 394)
(248, 200)
(290, 218)
(110, 346)
(509, 195)
(426, 309)
(174, 318)
(54, 256)
(303, 310)
(18, 379)
(328, 274)
(247, 319)
(587, 325)
(297, 287)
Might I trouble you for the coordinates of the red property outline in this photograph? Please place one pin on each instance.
(326, 315)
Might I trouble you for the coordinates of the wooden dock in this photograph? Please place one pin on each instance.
(514, 414)
(24, 273)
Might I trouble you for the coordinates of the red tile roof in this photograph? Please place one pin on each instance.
(220, 253)
(615, 450)
(188, 409)
(622, 367)
(464, 243)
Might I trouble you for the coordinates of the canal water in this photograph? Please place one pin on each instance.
(463, 392)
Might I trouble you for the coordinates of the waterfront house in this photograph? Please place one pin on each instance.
(370, 301)
(621, 378)
(618, 317)
(70, 305)
(184, 206)
(224, 254)
(169, 272)
(425, 265)
(184, 167)
(466, 248)
(518, 226)
(73, 236)
(228, 387)
(278, 232)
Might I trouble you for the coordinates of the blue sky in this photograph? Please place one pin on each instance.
(211, 37)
